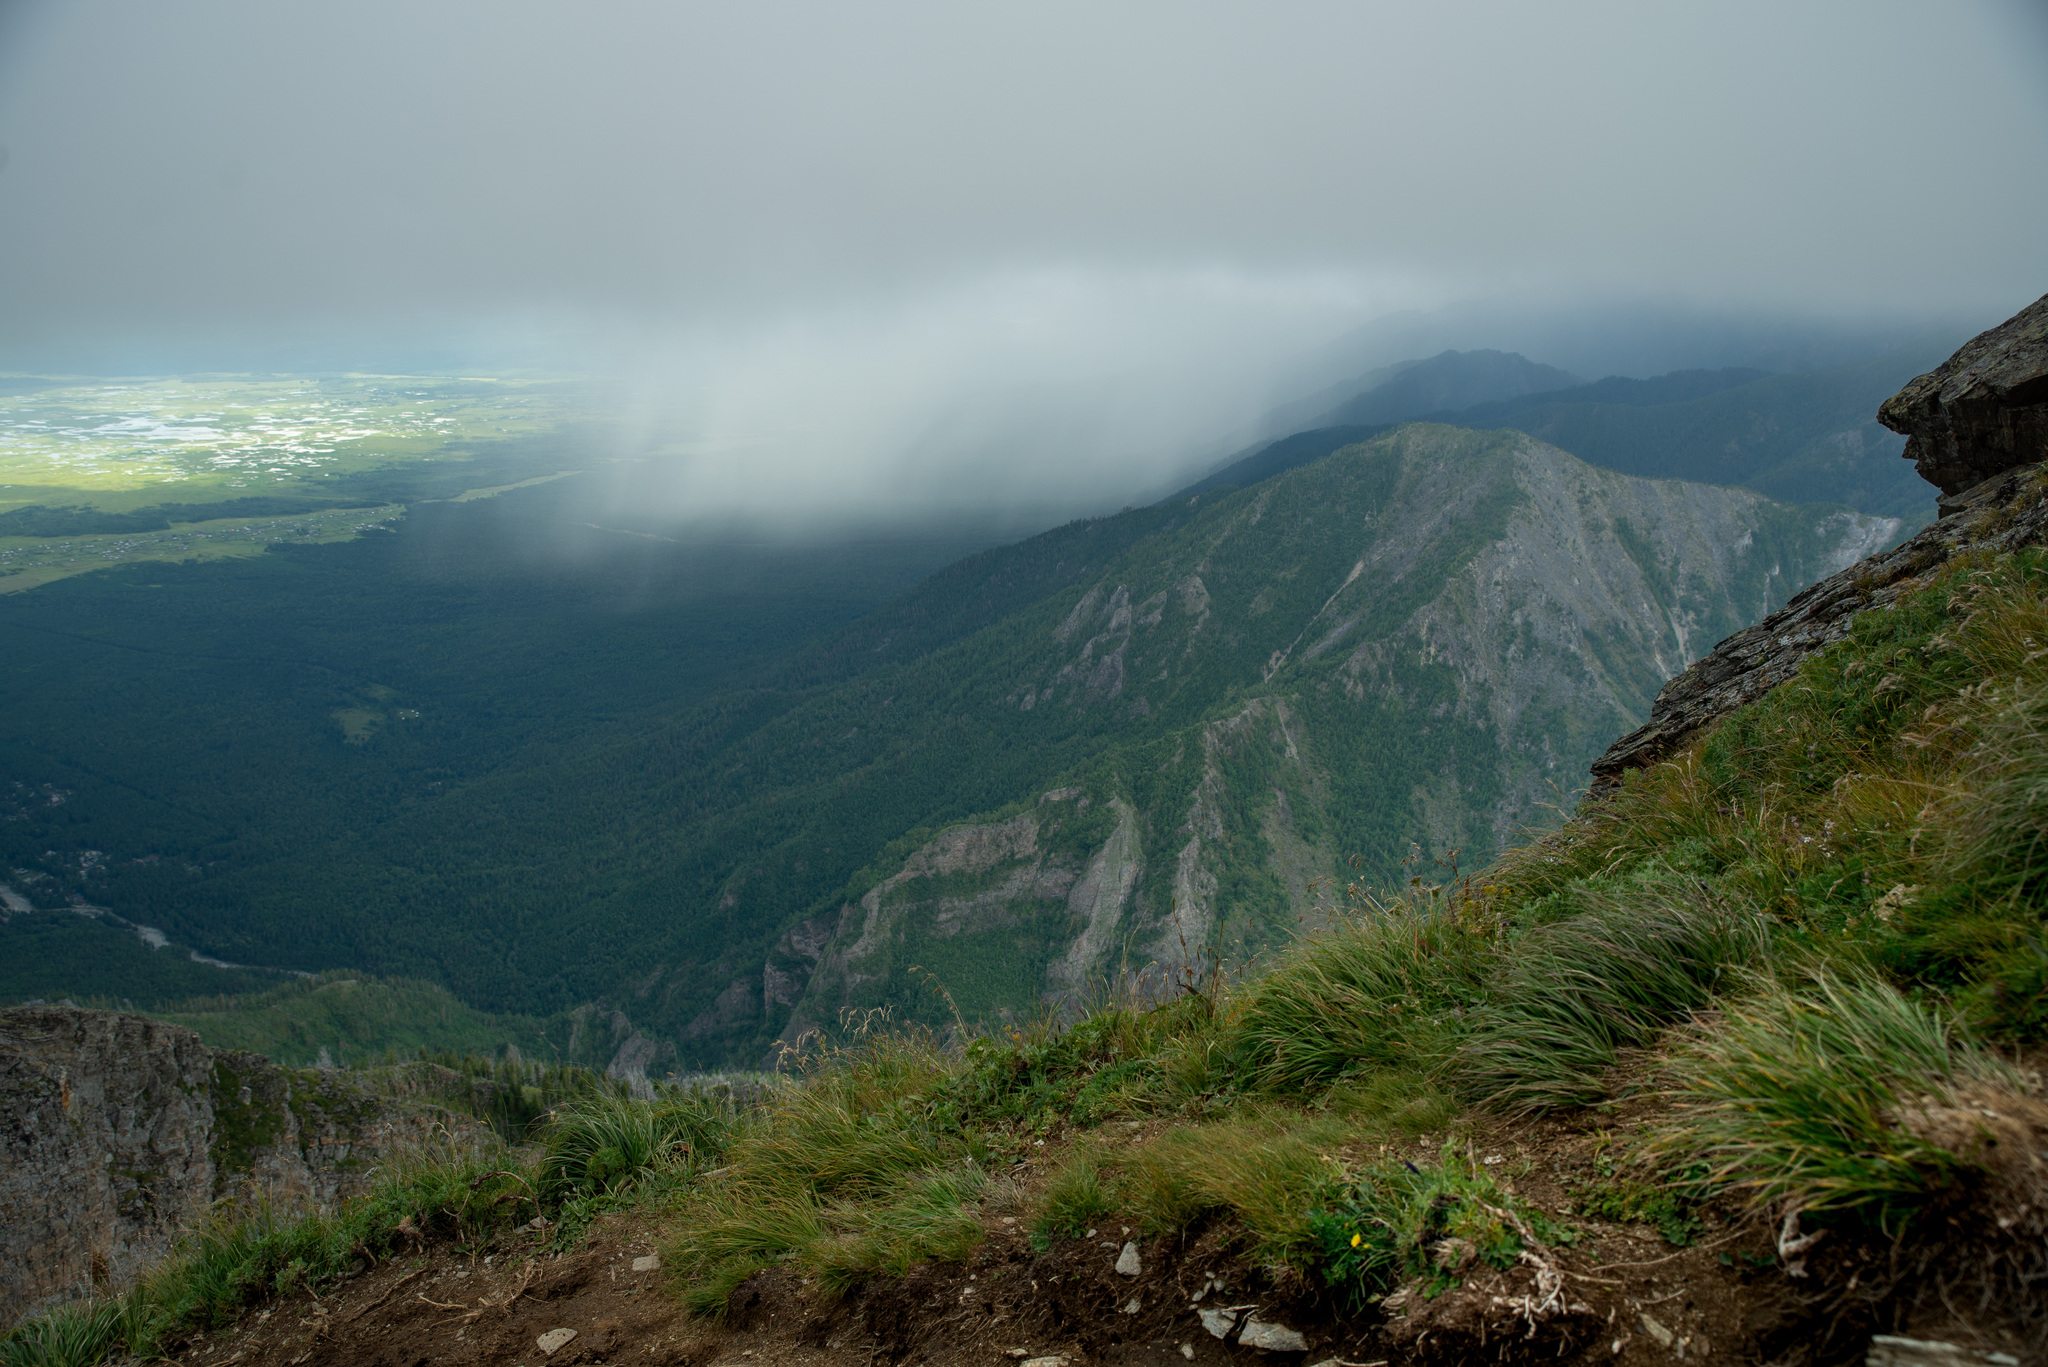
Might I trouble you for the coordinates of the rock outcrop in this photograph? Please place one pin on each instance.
(1982, 412)
(118, 1132)
(1978, 429)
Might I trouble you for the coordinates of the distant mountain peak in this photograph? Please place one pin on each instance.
(1446, 382)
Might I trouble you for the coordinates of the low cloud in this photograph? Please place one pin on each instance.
(1060, 391)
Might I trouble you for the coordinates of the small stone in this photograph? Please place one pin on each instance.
(1049, 1360)
(553, 1340)
(1127, 1261)
(1657, 1332)
(1888, 1350)
(1187, 1350)
(1222, 1322)
(649, 1263)
(1133, 1306)
(1271, 1338)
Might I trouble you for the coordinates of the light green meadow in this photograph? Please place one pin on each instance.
(27, 562)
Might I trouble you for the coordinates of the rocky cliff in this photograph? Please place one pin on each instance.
(1977, 429)
(119, 1132)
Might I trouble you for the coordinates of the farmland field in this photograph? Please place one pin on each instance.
(120, 444)
(102, 472)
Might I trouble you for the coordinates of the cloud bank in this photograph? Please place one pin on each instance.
(926, 242)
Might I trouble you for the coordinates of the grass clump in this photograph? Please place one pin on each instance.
(599, 1146)
(79, 1335)
(1384, 991)
(1827, 1097)
(1574, 992)
(1264, 1167)
(596, 1152)
(861, 1165)
(1075, 1199)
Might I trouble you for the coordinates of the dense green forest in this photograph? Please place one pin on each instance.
(164, 721)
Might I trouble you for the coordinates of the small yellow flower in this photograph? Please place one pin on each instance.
(1356, 1239)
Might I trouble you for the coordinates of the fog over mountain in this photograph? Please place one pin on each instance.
(915, 257)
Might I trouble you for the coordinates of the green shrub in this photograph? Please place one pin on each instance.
(1395, 1221)
(1673, 1214)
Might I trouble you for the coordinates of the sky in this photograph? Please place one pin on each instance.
(1087, 243)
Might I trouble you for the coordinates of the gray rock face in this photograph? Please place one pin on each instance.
(1978, 429)
(117, 1132)
(2004, 512)
(1982, 412)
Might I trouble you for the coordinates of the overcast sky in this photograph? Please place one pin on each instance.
(945, 200)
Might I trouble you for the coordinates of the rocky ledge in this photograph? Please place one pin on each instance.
(1977, 429)
(1984, 410)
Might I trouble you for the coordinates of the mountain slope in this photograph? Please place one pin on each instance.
(1417, 640)
(1800, 437)
(1417, 388)
(1447, 382)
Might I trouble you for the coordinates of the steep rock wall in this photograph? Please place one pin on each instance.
(119, 1132)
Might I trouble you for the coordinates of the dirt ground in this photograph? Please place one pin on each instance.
(1006, 1305)
(1619, 1294)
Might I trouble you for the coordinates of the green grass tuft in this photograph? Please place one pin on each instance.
(602, 1144)
(1810, 1096)
(1383, 991)
(1074, 1200)
(80, 1335)
(1571, 993)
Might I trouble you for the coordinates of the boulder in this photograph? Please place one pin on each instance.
(1984, 410)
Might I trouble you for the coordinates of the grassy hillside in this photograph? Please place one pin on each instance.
(1785, 964)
